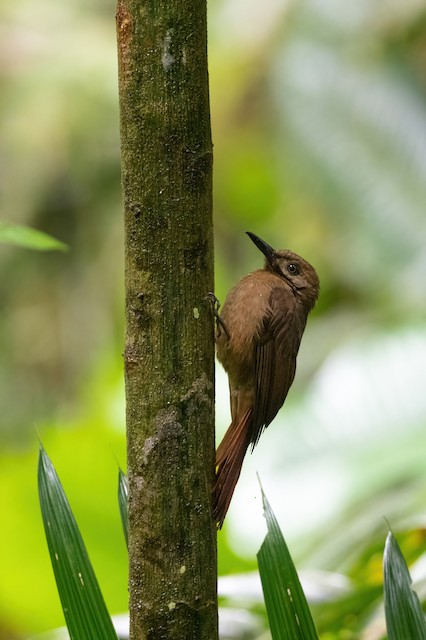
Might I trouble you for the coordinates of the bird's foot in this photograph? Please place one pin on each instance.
(215, 306)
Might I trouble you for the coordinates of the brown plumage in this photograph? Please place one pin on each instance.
(261, 326)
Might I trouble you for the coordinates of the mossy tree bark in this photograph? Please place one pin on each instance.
(169, 352)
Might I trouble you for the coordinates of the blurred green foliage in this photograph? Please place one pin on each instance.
(29, 238)
(319, 127)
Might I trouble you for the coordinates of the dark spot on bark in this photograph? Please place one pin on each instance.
(136, 210)
(140, 309)
(131, 357)
(172, 138)
(197, 165)
(195, 256)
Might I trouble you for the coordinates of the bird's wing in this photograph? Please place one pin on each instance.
(275, 359)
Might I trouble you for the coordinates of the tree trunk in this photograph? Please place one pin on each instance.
(169, 353)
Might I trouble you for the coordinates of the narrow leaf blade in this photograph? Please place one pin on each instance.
(286, 605)
(122, 503)
(404, 615)
(84, 608)
(29, 238)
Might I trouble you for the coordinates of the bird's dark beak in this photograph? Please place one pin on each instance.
(267, 250)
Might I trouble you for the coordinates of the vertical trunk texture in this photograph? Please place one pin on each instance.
(169, 352)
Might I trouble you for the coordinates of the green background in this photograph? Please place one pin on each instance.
(319, 129)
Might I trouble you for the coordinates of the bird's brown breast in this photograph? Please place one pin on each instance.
(244, 313)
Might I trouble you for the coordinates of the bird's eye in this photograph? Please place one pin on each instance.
(293, 268)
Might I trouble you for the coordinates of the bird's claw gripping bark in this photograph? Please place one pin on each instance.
(215, 306)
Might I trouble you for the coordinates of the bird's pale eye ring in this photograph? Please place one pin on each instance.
(293, 268)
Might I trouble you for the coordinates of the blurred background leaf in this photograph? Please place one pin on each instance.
(28, 238)
(318, 118)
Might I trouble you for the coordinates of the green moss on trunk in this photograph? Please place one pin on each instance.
(169, 352)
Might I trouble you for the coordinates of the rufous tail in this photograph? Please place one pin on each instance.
(229, 460)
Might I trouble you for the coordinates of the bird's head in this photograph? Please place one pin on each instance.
(300, 275)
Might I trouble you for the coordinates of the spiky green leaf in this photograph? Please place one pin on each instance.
(84, 608)
(288, 611)
(404, 615)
